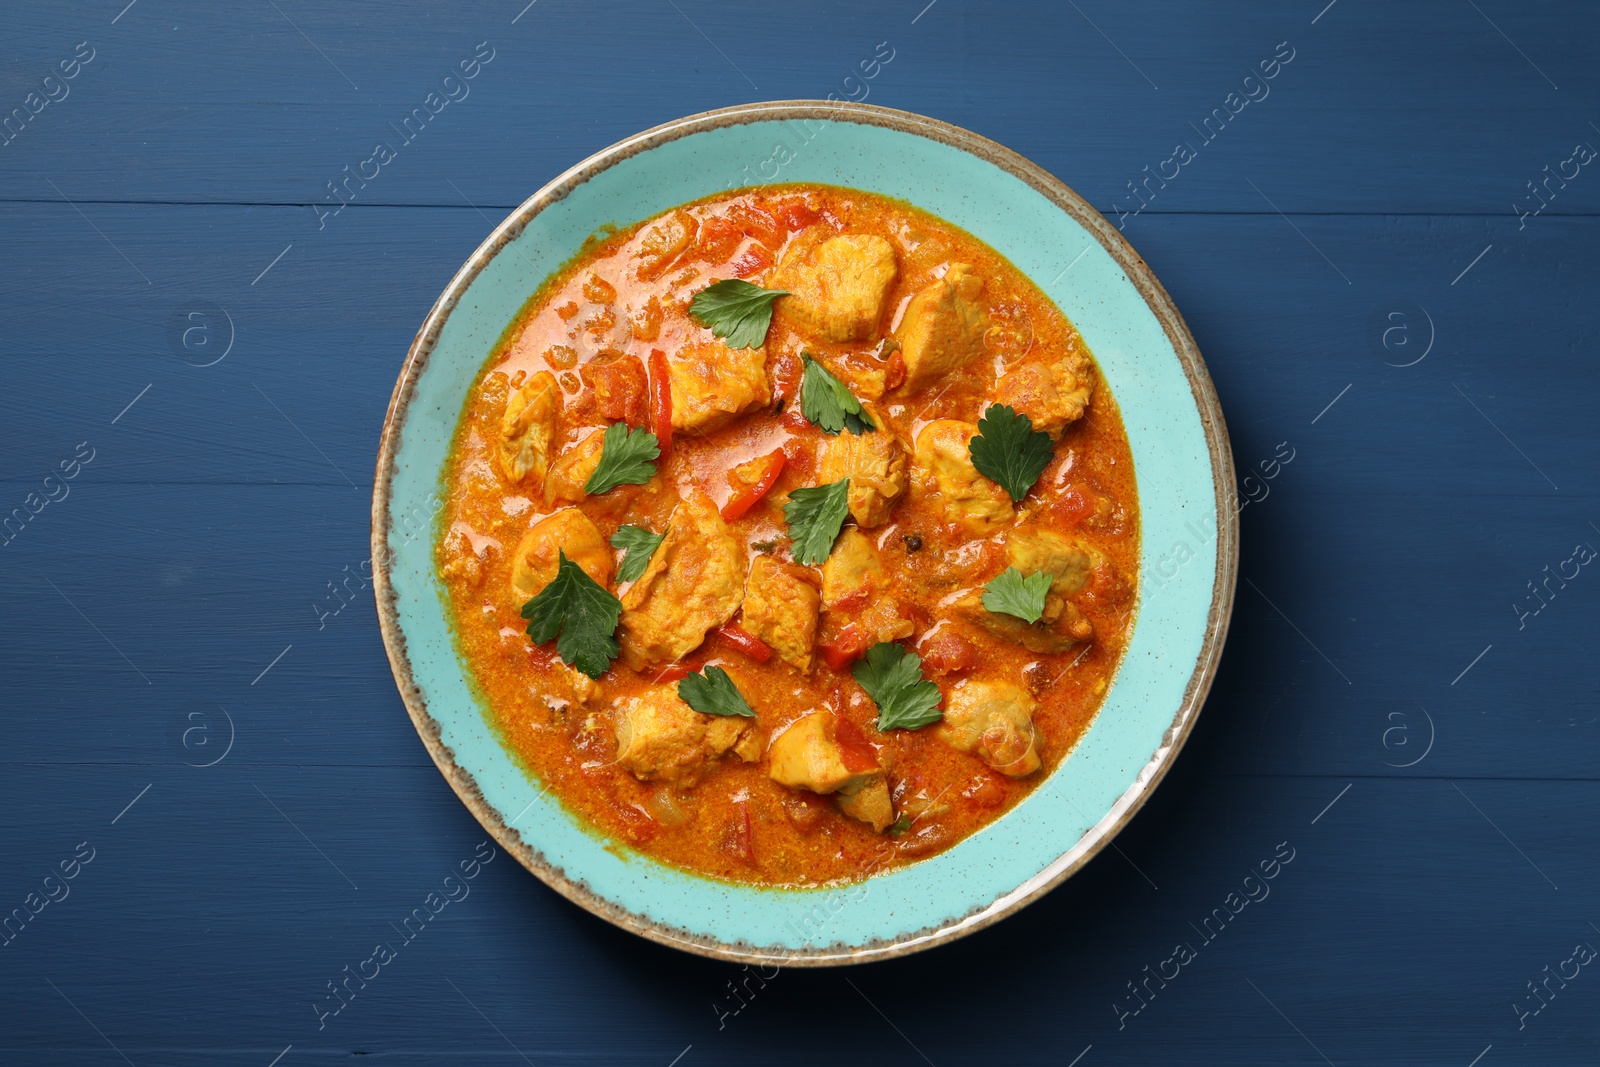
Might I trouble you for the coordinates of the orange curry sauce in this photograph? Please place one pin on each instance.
(594, 326)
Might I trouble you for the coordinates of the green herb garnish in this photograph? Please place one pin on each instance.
(815, 516)
(736, 311)
(712, 692)
(581, 612)
(627, 457)
(1009, 451)
(637, 545)
(1015, 593)
(901, 825)
(828, 402)
(892, 677)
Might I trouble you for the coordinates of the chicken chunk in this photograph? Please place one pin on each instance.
(870, 803)
(1070, 564)
(853, 581)
(572, 470)
(943, 327)
(942, 469)
(660, 738)
(882, 621)
(1068, 561)
(664, 242)
(808, 756)
(867, 377)
(460, 557)
(527, 427)
(781, 609)
(994, 721)
(1052, 395)
(712, 383)
(691, 586)
(836, 285)
(534, 564)
(852, 566)
(875, 463)
(1060, 627)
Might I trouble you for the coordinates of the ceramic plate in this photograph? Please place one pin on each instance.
(1181, 461)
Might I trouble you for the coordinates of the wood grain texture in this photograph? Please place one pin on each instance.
(1427, 749)
(1417, 108)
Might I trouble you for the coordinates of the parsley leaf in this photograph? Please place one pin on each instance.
(627, 457)
(582, 612)
(736, 311)
(828, 402)
(815, 516)
(1015, 593)
(1008, 450)
(712, 692)
(892, 677)
(638, 545)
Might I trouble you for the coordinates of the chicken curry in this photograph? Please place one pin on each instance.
(791, 535)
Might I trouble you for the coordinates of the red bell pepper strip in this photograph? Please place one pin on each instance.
(672, 672)
(660, 400)
(745, 642)
(845, 649)
(746, 498)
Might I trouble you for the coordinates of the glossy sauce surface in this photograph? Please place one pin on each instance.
(616, 302)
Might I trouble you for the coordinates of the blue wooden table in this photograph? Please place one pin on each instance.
(215, 806)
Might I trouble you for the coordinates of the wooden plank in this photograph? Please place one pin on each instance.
(218, 901)
(1403, 108)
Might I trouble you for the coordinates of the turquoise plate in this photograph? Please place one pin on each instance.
(1186, 497)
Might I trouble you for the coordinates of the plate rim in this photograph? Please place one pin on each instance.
(1213, 426)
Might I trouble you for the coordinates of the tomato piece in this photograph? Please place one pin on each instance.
(672, 672)
(752, 260)
(719, 239)
(1072, 507)
(802, 457)
(794, 419)
(621, 389)
(895, 376)
(795, 215)
(756, 223)
(854, 751)
(786, 371)
(746, 498)
(805, 810)
(852, 602)
(660, 400)
(744, 641)
(1104, 583)
(637, 824)
(948, 654)
(985, 792)
(845, 649)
